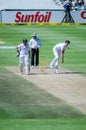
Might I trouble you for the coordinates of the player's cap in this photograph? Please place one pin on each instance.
(34, 34)
(24, 40)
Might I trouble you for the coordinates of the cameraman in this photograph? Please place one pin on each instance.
(68, 7)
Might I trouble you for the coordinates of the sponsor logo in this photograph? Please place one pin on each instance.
(83, 14)
(37, 17)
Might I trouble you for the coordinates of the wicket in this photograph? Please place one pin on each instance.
(42, 63)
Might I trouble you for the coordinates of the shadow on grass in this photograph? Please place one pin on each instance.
(75, 72)
(50, 73)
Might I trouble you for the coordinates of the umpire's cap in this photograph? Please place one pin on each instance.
(34, 34)
(24, 40)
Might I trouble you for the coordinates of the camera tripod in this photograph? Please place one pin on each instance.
(67, 18)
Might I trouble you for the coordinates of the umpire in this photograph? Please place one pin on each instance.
(35, 44)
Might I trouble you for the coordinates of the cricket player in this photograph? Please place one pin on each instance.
(35, 44)
(23, 52)
(59, 50)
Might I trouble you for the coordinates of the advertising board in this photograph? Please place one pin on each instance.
(38, 16)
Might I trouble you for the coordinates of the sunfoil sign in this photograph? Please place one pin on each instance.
(35, 17)
(39, 16)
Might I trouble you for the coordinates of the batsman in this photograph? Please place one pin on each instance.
(23, 52)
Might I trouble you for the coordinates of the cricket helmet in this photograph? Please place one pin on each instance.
(24, 40)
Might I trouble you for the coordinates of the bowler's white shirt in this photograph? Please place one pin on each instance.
(59, 47)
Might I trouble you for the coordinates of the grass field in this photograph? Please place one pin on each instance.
(49, 35)
(22, 104)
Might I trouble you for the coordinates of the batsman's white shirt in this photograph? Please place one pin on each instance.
(23, 49)
(24, 57)
(58, 48)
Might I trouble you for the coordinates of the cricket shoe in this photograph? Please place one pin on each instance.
(51, 66)
(32, 67)
(37, 67)
(56, 72)
(27, 73)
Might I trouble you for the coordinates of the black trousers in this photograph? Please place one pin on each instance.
(68, 18)
(35, 57)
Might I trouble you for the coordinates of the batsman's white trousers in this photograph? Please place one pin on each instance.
(24, 59)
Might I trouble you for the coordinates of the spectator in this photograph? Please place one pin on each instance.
(81, 4)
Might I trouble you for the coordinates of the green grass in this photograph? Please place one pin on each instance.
(25, 106)
(25, 100)
(75, 57)
(47, 124)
